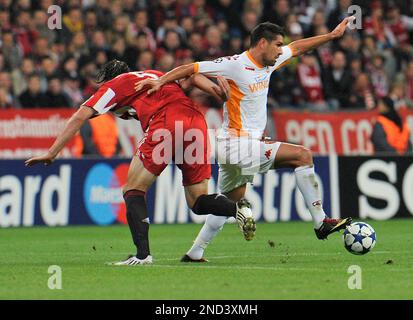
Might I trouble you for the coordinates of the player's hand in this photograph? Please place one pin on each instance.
(47, 159)
(224, 88)
(341, 28)
(153, 85)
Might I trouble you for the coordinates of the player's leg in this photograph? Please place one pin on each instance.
(202, 203)
(138, 182)
(143, 170)
(220, 205)
(212, 226)
(300, 158)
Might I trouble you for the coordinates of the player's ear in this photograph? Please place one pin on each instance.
(263, 43)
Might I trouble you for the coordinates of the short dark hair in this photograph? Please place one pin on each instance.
(111, 70)
(266, 30)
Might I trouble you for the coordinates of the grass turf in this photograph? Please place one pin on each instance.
(295, 266)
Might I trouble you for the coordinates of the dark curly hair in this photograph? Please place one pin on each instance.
(111, 70)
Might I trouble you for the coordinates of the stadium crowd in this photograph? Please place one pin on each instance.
(41, 67)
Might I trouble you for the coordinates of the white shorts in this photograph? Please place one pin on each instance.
(241, 158)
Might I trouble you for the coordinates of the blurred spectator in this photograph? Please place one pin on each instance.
(405, 79)
(235, 43)
(6, 86)
(71, 87)
(172, 44)
(118, 50)
(195, 44)
(202, 13)
(309, 79)
(100, 58)
(55, 97)
(77, 47)
(20, 76)
(276, 12)
(339, 13)
(33, 97)
(166, 63)
(40, 50)
(12, 52)
(72, 23)
(337, 82)
(40, 25)
(6, 101)
(324, 54)
(317, 22)
(90, 23)
(400, 26)
(140, 25)
(249, 21)
(224, 9)
(254, 5)
(4, 19)
(99, 41)
(361, 96)
(374, 25)
(355, 68)
(187, 23)
(145, 60)
(23, 32)
(48, 67)
(390, 133)
(69, 68)
(169, 24)
(398, 96)
(378, 77)
(140, 44)
(213, 43)
(120, 29)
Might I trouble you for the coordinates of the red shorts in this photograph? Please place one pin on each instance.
(177, 133)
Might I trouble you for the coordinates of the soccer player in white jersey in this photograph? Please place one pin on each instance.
(241, 150)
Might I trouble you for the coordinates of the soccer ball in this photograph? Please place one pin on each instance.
(359, 238)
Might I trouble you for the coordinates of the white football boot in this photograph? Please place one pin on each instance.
(133, 261)
(245, 219)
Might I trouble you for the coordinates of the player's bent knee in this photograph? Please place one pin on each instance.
(304, 157)
(196, 205)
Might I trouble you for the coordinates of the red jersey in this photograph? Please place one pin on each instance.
(120, 97)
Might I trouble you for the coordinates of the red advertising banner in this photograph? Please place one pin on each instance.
(24, 133)
(344, 133)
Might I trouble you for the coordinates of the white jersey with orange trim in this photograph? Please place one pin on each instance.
(245, 112)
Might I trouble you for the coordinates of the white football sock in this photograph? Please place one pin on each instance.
(310, 190)
(213, 224)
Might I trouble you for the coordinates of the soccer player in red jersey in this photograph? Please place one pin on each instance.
(173, 126)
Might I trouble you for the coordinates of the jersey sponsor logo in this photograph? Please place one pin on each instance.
(102, 193)
(249, 68)
(262, 85)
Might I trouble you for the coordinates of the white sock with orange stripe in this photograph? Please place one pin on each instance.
(213, 224)
(310, 190)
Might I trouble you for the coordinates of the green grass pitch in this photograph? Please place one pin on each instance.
(296, 266)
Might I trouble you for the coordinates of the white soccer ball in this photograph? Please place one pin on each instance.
(359, 238)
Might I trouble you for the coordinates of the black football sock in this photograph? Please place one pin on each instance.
(138, 221)
(216, 204)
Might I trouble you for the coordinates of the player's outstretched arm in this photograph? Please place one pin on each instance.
(72, 126)
(299, 47)
(220, 91)
(154, 85)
